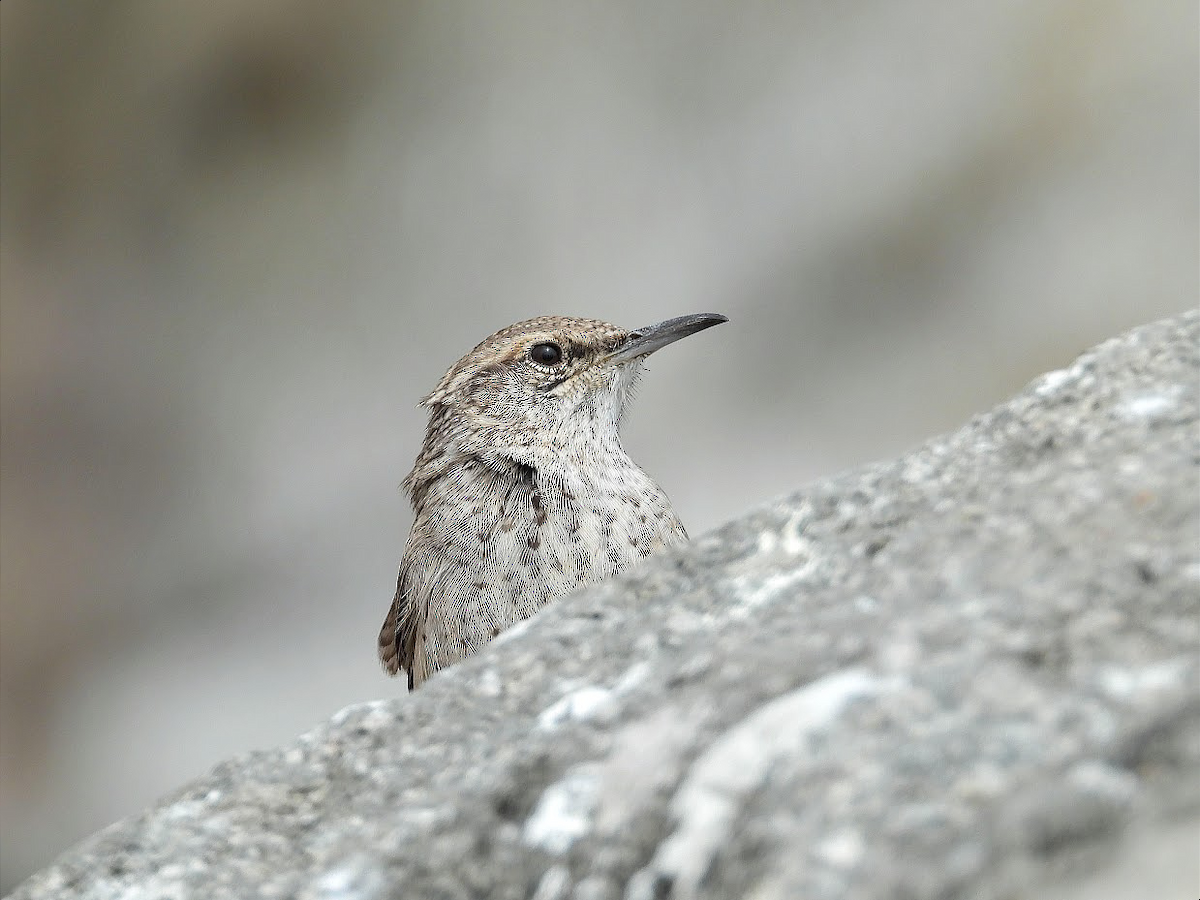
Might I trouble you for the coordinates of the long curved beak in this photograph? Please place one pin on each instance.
(644, 341)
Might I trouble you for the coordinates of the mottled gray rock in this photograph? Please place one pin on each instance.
(971, 672)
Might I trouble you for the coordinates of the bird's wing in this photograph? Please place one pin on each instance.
(402, 637)
(392, 642)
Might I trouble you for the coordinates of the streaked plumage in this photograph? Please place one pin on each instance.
(522, 492)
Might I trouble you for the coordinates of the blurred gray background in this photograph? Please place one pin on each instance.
(241, 239)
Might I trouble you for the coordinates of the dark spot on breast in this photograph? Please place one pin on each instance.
(484, 535)
(525, 473)
(507, 524)
(539, 512)
(642, 518)
(495, 631)
(534, 541)
(478, 585)
(556, 564)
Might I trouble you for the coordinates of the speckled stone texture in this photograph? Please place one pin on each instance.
(971, 672)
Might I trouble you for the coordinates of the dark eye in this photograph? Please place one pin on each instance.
(546, 354)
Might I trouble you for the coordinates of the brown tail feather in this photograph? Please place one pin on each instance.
(389, 638)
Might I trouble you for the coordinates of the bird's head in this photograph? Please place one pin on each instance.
(530, 386)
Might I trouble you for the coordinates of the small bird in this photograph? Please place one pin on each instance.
(522, 491)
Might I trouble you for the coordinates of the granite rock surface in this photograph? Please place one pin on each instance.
(970, 672)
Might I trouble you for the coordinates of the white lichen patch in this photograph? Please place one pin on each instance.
(789, 540)
(757, 581)
(634, 676)
(489, 684)
(1053, 382)
(758, 584)
(842, 849)
(1149, 405)
(564, 813)
(370, 715)
(753, 593)
(706, 804)
(866, 604)
(184, 809)
(584, 704)
(359, 878)
(198, 810)
(592, 703)
(167, 883)
(1125, 684)
(644, 762)
(555, 884)
(170, 880)
(1101, 779)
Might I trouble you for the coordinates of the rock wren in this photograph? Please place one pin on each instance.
(522, 491)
